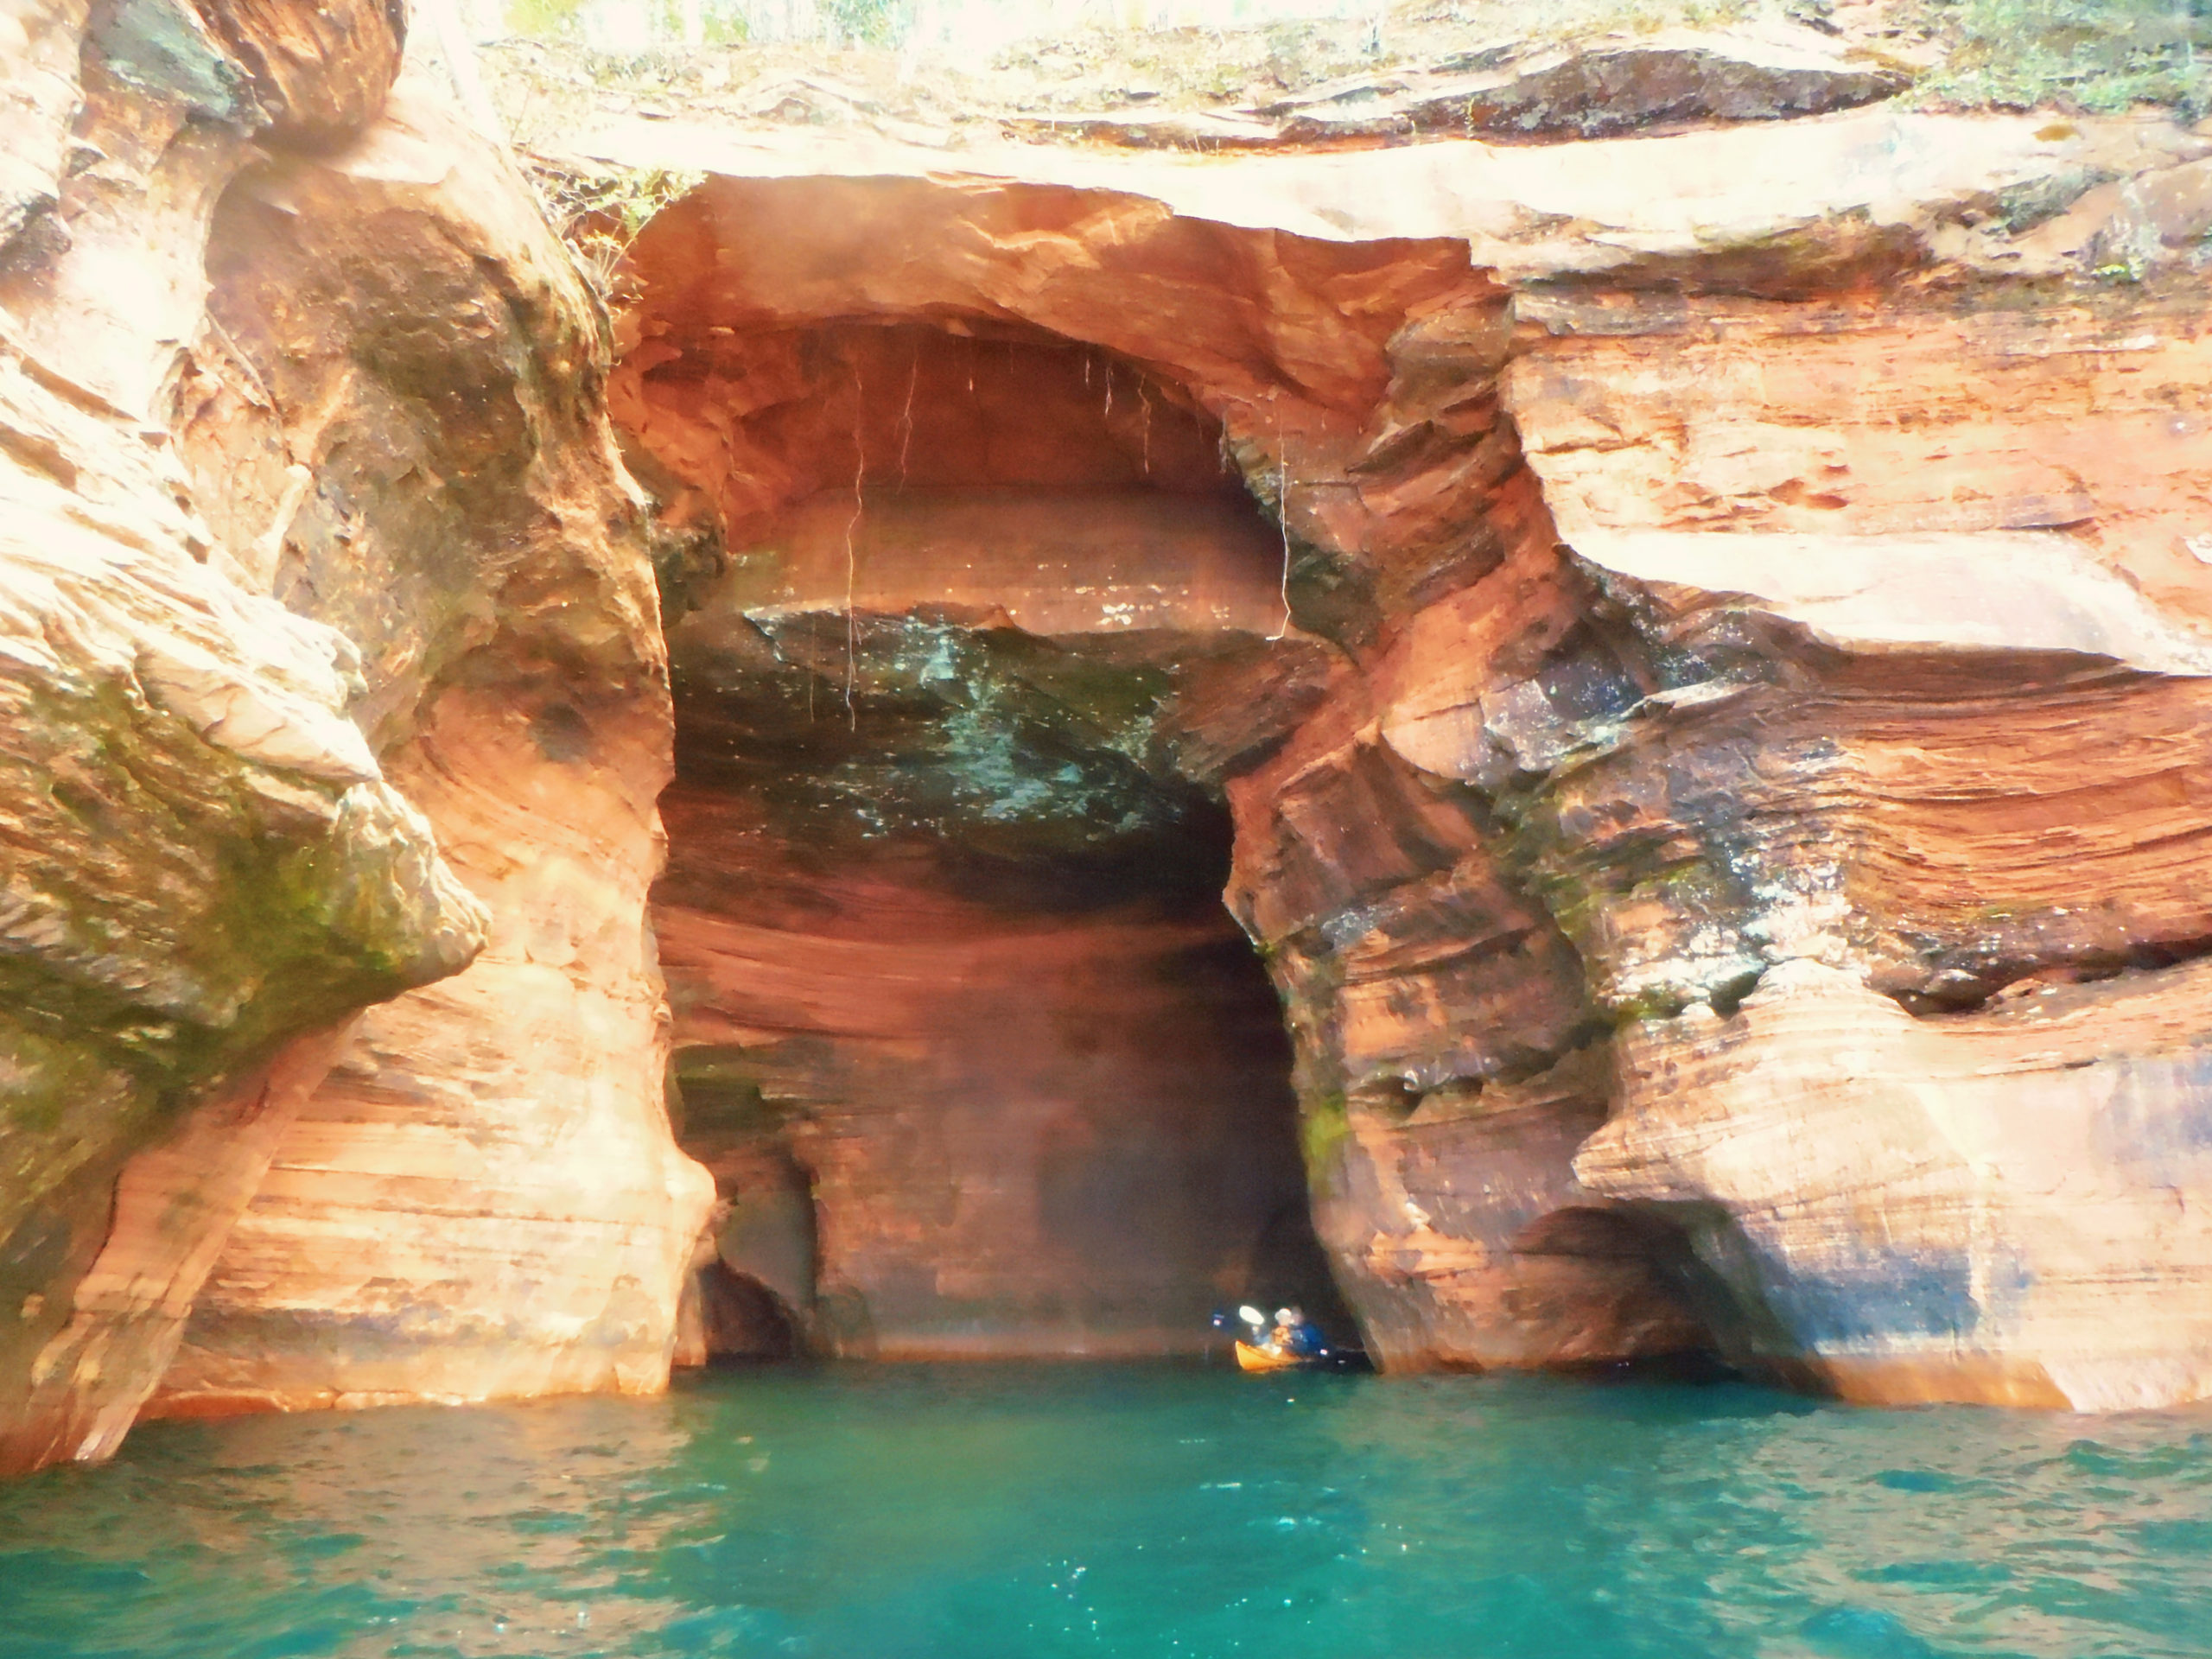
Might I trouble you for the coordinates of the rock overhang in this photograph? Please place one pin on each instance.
(1724, 686)
(1642, 703)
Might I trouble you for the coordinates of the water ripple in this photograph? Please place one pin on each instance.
(1052, 1513)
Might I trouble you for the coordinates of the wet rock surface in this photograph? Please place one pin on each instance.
(1685, 630)
(981, 1065)
(1699, 640)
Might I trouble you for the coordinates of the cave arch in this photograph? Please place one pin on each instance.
(1063, 543)
(941, 918)
(743, 1321)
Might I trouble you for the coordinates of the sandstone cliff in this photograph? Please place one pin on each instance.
(1687, 653)
(320, 569)
(483, 1198)
(1718, 803)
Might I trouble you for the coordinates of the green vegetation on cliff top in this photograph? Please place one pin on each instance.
(556, 66)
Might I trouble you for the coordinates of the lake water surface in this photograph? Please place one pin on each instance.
(1035, 1512)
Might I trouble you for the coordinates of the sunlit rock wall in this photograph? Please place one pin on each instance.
(207, 870)
(1701, 639)
(1742, 818)
(320, 573)
(484, 1199)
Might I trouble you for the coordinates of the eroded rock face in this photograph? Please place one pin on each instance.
(1709, 700)
(207, 869)
(1597, 89)
(1860, 424)
(1356, 394)
(37, 104)
(483, 1200)
(979, 1065)
(1961, 1206)
(207, 866)
(1018, 1119)
(410, 369)
(1834, 645)
(286, 565)
(1871, 808)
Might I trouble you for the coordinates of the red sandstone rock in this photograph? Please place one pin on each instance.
(1875, 418)
(1807, 696)
(1712, 728)
(390, 423)
(1605, 87)
(1464, 1240)
(175, 1205)
(1991, 1171)
(484, 1199)
(205, 862)
(1023, 1133)
(1047, 1111)
(38, 100)
(1790, 208)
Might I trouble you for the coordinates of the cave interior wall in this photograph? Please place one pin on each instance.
(999, 642)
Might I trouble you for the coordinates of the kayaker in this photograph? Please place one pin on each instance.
(1294, 1333)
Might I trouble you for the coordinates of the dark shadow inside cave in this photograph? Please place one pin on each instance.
(743, 1322)
(967, 1105)
(981, 1064)
(1630, 1296)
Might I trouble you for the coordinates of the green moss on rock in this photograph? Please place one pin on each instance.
(177, 911)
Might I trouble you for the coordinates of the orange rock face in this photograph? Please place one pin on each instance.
(1023, 1129)
(207, 871)
(311, 493)
(1685, 669)
(1872, 417)
(484, 1199)
(1700, 643)
(981, 1065)
(1404, 952)
(2009, 1154)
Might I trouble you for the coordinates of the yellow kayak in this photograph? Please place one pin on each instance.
(1260, 1359)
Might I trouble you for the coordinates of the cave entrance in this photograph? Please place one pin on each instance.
(981, 1064)
(743, 1322)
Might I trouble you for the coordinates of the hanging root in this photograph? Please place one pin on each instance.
(1283, 522)
(852, 560)
(906, 417)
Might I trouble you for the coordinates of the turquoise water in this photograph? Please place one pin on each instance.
(1013, 1513)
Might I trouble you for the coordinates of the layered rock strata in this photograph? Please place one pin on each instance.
(1783, 602)
(979, 1065)
(285, 570)
(484, 1199)
(1700, 639)
(207, 868)
(952, 1126)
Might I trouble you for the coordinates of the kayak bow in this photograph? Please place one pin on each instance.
(1249, 1358)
